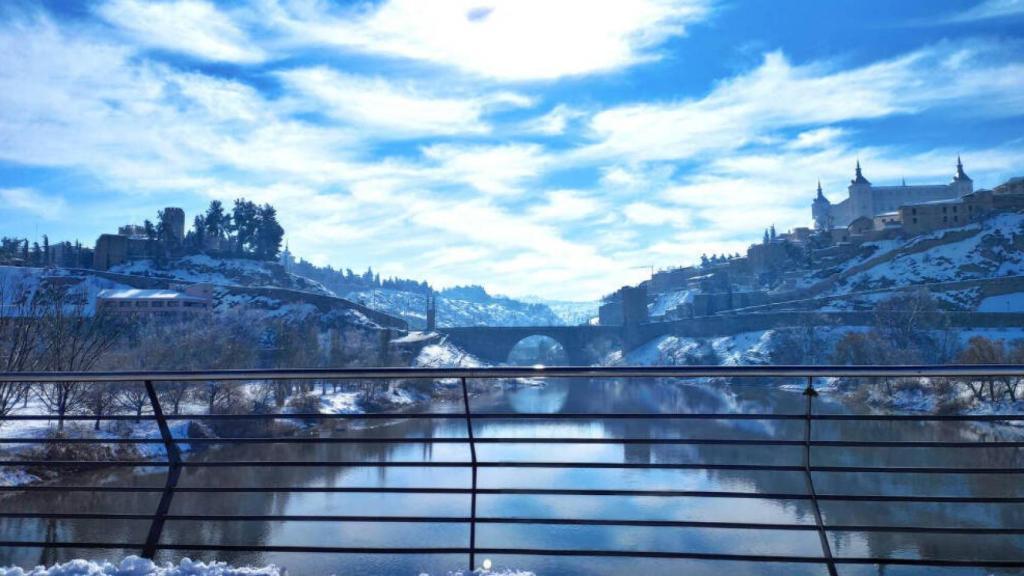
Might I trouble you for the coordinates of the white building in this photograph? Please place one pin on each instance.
(170, 304)
(867, 200)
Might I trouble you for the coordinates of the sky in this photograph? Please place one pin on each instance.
(555, 148)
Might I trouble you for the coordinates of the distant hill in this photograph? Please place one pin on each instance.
(463, 306)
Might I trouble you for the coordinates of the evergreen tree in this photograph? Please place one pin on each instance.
(244, 223)
(216, 222)
(269, 233)
(195, 240)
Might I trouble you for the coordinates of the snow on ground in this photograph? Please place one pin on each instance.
(340, 403)
(223, 271)
(663, 303)
(662, 351)
(743, 348)
(455, 312)
(16, 477)
(135, 566)
(445, 355)
(986, 254)
(1003, 303)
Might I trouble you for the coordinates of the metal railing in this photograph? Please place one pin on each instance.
(176, 463)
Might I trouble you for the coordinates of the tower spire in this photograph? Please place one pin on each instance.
(960, 175)
(858, 176)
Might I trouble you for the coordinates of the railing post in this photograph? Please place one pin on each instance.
(826, 549)
(156, 528)
(472, 453)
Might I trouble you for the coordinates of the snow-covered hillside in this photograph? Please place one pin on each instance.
(457, 312)
(988, 249)
(223, 271)
(570, 313)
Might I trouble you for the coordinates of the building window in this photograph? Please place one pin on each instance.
(915, 220)
(124, 304)
(172, 304)
(954, 208)
(945, 218)
(913, 211)
(140, 304)
(157, 304)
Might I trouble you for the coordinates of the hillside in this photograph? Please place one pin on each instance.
(975, 267)
(224, 272)
(453, 310)
(264, 302)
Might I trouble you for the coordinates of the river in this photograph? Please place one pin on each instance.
(565, 396)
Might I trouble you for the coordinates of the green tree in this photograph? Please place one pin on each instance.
(269, 233)
(244, 224)
(216, 222)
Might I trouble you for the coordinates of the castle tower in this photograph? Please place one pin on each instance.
(821, 211)
(862, 202)
(961, 181)
(431, 312)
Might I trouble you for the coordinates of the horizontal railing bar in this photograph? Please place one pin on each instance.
(537, 416)
(524, 464)
(426, 551)
(778, 371)
(505, 521)
(652, 554)
(412, 520)
(529, 440)
(528, 492)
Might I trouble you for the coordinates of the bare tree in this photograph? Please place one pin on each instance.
(100, 401)
(19, 340)
(981, 350)
(73, 341)
(914, 320)
(131, 397)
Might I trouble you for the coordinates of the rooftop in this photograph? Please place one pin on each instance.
(139, 294)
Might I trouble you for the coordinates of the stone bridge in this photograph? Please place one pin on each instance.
(494, 343)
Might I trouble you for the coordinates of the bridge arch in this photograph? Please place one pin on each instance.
(538, 349)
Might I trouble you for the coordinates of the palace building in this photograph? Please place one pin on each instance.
(866, 200)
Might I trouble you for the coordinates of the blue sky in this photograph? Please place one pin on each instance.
(548, 147)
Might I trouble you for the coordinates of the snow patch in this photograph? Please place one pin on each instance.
(1003, 303)
(136, 566)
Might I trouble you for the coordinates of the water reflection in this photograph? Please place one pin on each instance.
(574, 397)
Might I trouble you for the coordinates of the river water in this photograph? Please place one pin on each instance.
(565, 396)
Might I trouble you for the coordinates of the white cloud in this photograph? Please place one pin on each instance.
(193, 27)
(494, 170)
(32, 202)
(503, 39)
(647, 214)
(816, 138)
(778, 95)
(566, 206)
(553, 123)
(388, 108)
(986, 10)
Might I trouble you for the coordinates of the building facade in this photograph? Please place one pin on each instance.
(176, 304)
(865, 200)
